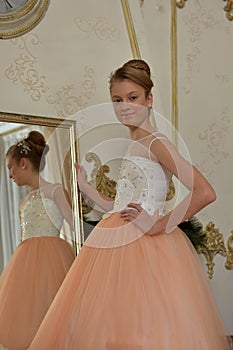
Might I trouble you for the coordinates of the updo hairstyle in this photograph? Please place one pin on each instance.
(135, 70)
(32, 147)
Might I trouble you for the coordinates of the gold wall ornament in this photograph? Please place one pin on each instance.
(180, 3)
(104, 184)
(171, 191)
(130, 29)
(229, 261)
(229, 9)
(99, 180)
(213, 245)
(174, 67)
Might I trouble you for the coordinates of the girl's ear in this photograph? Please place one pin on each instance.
(23, 163)
(150, 100)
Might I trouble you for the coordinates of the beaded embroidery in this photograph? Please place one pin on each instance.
(40, 217)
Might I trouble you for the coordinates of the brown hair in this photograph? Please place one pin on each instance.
(137, 71)
(33, 147)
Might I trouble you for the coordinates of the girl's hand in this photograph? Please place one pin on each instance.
(81, 175)
(136, 214)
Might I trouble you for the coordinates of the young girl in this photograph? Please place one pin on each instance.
(138, 283)
(40, 262)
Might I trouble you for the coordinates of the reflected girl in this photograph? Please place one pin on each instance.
(40, 262)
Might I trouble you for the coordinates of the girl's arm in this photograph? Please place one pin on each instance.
(63, 202)
(101, 200)
(201, 192)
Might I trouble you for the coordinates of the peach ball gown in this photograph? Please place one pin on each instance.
(130, 291)
(34, 273)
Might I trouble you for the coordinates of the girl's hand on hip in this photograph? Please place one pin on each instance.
(139, 217)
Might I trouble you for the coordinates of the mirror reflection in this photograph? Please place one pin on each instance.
(59, 169)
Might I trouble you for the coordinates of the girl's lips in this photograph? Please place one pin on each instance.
(127, 115)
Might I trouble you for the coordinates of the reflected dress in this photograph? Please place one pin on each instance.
(130, 291)
(34, 273)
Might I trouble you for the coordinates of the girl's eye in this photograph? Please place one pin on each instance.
(117, 100)
(132, 98)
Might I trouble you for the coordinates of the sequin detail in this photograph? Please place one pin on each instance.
(142, 181)
(40, 216)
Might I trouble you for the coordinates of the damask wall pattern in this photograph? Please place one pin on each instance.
(57, 69)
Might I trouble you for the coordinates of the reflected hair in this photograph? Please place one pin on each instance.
(32, 147)
(135, 70)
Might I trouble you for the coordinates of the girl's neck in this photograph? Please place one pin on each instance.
(36, 183)
(138, 134)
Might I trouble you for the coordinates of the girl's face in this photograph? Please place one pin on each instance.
(16, 170)
(130, 103)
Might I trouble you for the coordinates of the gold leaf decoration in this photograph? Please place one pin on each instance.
(213, 245)
(229, 9)
(180, 3)
(229, 261)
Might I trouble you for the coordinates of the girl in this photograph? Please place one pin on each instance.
(40, 262)
(138, 282)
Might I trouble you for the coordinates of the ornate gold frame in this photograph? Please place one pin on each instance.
(69, 125)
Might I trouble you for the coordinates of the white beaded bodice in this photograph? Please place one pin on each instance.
(142, 181)
(40, 216)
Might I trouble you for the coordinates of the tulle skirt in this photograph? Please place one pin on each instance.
(28, 285)
(151, 293)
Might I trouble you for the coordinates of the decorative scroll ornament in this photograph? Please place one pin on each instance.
(229, 261)
(213, 245)
(180, 3)
(99, 180)
(171, 191)
(229, 9)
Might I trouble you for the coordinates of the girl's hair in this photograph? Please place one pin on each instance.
(32, 147)
(137, 71)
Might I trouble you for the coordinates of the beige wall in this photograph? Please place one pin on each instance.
(63, 66)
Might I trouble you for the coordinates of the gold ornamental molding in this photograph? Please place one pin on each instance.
(229, 9)
(130, 29)
(99, 180)
(174, 66)
(229, 261)
(180, 3)
(211, 246)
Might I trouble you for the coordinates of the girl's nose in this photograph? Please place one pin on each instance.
(124, 106)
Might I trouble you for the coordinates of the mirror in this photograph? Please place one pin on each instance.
(63, 153)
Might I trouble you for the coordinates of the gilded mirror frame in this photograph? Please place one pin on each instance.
(69, 125)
